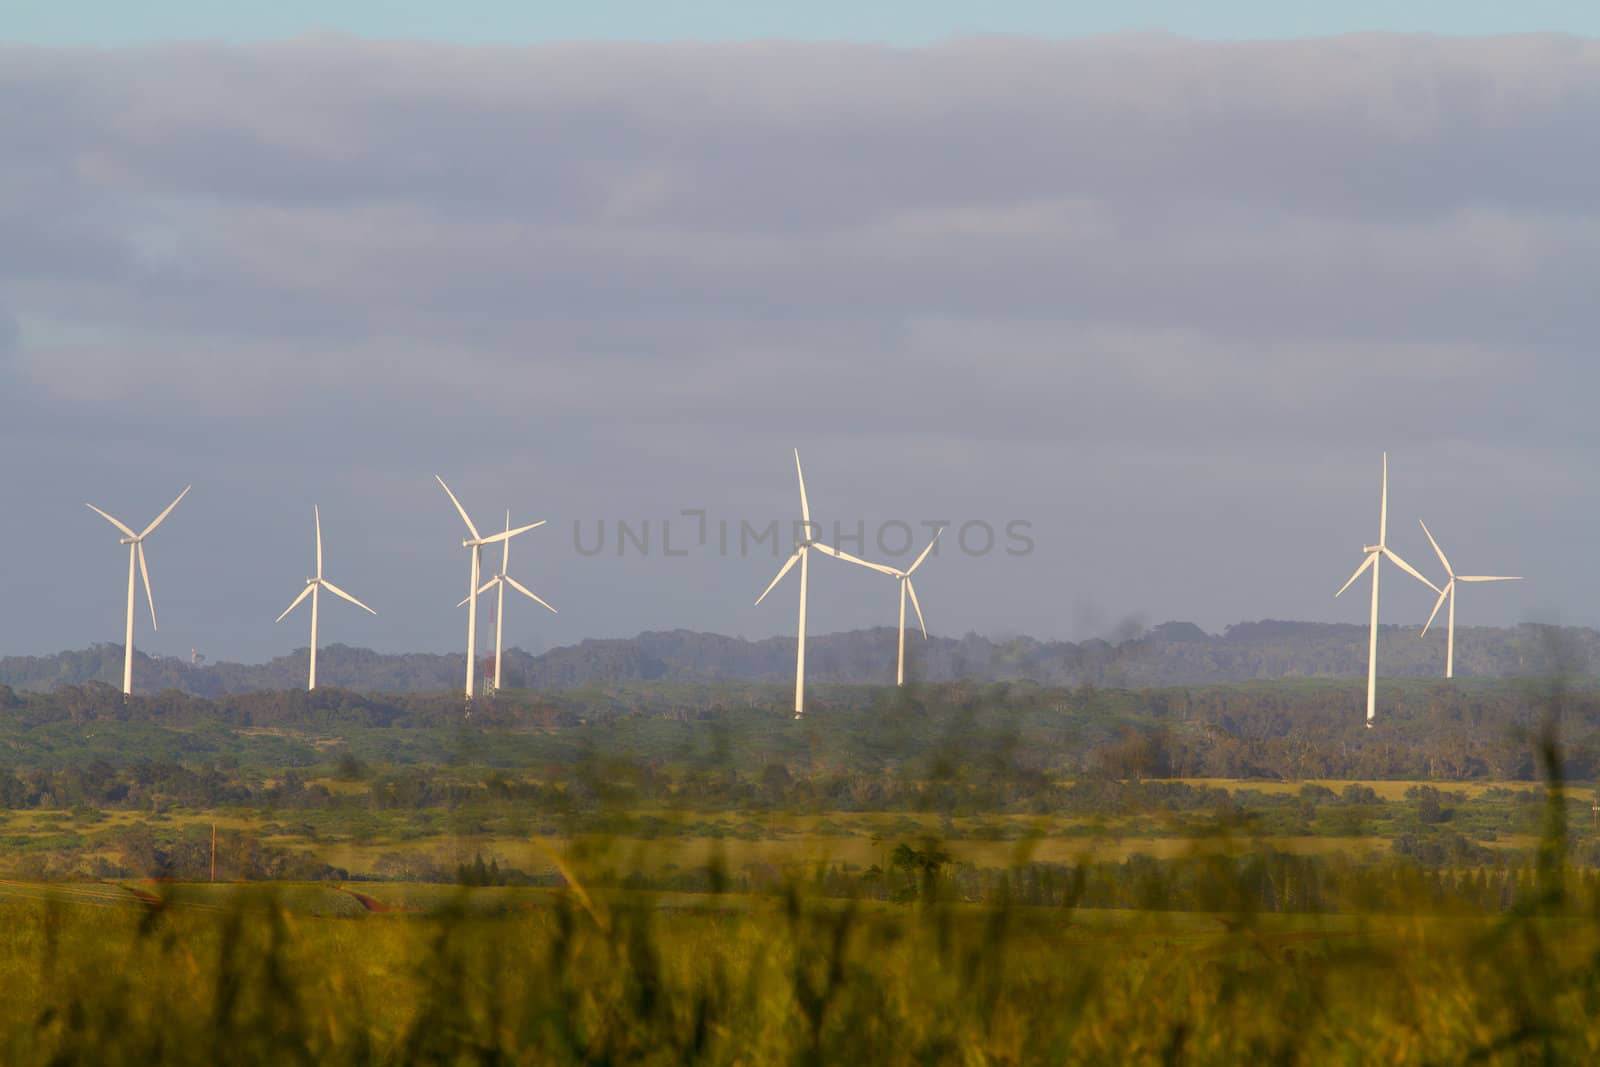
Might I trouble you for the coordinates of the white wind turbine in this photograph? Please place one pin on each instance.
(802, 553)
(135, 543)
(1373, 553)
(905, 588)
(502, 580)
(1449, 590)
(313, 589)
(476, 542)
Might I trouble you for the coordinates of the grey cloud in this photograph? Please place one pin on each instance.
(10, 341)
(529, 130)
(1135, 278)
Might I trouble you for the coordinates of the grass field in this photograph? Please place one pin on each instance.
(214, 974)
(655, 855)
(1207, 921)
(1385, 788)
(1498, 817)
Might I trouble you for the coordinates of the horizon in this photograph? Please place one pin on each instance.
(1113, 638)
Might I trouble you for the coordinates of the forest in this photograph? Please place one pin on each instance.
(1016, 733)
(337, 783)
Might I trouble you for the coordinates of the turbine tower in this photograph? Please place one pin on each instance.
(905, 588)
(502, 580)
(476, 543)
(135, 543)
(1449, 590)
(313, 589)
(1373, 553)
(802, 554)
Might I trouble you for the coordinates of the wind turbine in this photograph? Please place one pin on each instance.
(802, 553)
(313, 589)
(905, 588)
(476, 542)
(1449, 590)
(1374, 552)
(502, 580)
(135, 543)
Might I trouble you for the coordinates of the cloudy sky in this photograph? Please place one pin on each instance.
(1160, 301)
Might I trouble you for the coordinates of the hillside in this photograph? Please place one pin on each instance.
(1173, 653)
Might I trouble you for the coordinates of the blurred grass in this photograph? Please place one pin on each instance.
(306, 974)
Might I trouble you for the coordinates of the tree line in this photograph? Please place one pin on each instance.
(1173, 653)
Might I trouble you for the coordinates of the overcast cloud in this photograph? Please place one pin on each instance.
(1164, 301)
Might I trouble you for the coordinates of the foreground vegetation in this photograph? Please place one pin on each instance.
(957, 874)
(569, 976)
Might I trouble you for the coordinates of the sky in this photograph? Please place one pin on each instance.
(110, 23)
(1135, 316)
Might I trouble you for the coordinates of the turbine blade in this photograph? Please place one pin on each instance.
(317, 512)
(144, 572)
(913, 591)
(781, 572)
(509, 534)
(1489, 578)
(486, 586)
(464, 516)
(525, 591)
(505, 547)
(1436, 548)
(1437, 604)
(1383, 505)
(159, 519)
(911, 569)
(303, 594)
(848, 558)
(1408, 568)
(115, 522)
(336, 591)
(805, 507)
(1364, 565)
